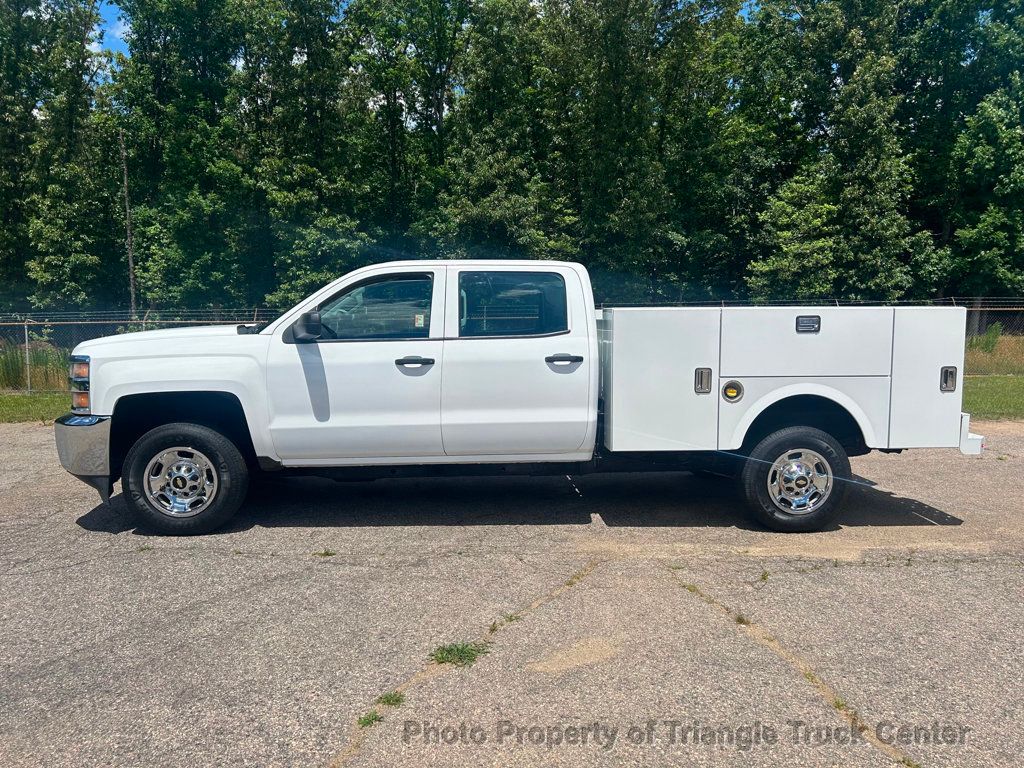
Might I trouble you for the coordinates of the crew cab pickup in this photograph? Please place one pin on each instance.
(459, 367)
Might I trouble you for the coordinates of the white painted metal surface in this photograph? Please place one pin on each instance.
(762, 341)
(970, 443)
(651, 357)
(500, 396)
(345, 399)
(924, 340)
(866, 398)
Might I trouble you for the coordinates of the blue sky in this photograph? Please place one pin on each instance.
(112, 26)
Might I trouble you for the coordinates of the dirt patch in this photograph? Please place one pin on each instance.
(1003, 427)
(593, 650)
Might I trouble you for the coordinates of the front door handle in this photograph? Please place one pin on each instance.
(563, 359)
(414, 360)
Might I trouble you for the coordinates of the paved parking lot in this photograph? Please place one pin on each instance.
(628, 620)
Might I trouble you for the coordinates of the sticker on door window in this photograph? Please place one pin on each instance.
(419, 320)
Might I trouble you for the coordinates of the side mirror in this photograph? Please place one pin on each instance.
(307, 328)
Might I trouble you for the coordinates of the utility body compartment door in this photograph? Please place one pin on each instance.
(921, 413)
(652, 360)
(780, 341)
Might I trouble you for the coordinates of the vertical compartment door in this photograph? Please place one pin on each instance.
(924, 412)
(651, 397)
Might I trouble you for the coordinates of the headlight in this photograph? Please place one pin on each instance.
(80, 384)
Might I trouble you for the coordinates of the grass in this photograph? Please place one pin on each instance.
(48, 365)
(33, 406)
(459, 654)
(370, 718)
(507, 618)
(391, 699)
(994, 397)
(1005, 359)
(325, 553)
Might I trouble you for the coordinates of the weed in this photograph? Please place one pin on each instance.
(391, 699)
(325, 553)
(144, 548)
(742, 620)
(987, 341)
(459, 654)
(370, 718)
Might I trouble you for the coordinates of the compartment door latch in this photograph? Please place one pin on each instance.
(702, 381)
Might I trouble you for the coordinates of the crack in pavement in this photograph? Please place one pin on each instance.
(432, 669)
(831, 697)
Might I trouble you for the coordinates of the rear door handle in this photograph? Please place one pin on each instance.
(414, 360)
(563, 359)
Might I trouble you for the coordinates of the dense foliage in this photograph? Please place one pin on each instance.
(855, 149)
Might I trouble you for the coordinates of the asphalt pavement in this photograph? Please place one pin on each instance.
(618, 620)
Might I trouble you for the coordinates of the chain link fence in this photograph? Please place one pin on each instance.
(35, 348)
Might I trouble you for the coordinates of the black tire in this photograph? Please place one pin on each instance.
(759, 467)
(228, 468)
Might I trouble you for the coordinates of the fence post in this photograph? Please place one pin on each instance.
(28, 365)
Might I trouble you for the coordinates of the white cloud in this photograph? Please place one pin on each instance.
(120, 29)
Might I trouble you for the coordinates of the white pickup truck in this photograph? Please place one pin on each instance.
(491, 367)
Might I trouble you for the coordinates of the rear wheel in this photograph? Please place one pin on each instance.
(795, 479)
(184, 479)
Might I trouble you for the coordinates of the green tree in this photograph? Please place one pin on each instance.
(989, 159)
(839, 224)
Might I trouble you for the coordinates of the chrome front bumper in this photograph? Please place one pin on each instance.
(83, 445)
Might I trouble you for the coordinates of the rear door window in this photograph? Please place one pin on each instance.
(512, 304)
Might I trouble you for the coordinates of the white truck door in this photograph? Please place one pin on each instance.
(927, 377)
(370, 387)
(661, 378)
(517, 362)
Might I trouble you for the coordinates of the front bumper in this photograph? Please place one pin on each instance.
(970, 443)
(83, 445)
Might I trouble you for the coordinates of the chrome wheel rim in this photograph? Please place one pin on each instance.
(799, 481)
(181, 481)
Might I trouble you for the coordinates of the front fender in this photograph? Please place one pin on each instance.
(241, 376)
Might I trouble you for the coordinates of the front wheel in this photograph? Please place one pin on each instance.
(184, 479)
(795, 479)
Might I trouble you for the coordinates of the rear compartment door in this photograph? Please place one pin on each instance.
(921, 414)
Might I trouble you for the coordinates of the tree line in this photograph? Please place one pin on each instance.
(244, 152)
